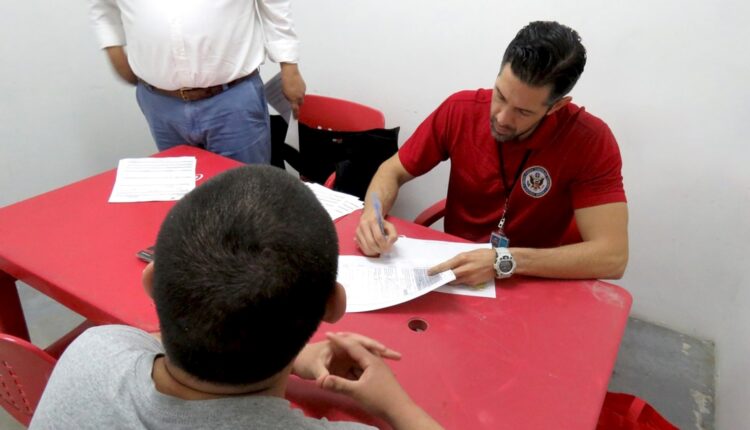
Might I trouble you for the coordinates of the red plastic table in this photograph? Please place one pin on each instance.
(539, 356)
(76, 248)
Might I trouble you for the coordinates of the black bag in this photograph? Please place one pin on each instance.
(280, 151)
(354, 155)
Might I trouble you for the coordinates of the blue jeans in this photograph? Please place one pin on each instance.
(234, 123)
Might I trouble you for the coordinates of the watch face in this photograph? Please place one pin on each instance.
(505, 266)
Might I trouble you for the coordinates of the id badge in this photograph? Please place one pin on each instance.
(498, 239)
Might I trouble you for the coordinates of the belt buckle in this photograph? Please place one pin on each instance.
(183, 94)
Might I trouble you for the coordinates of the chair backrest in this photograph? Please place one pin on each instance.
(339, 115)
(24, 371)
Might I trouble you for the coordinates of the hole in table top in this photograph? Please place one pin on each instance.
(417, 325)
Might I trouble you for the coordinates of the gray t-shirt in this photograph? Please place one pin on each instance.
(103, 381)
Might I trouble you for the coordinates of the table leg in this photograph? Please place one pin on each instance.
(12, 320)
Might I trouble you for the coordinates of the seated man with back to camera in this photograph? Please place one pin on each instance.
(525, 164)
(237, 300)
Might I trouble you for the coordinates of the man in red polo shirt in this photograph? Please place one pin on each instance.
(526, 166)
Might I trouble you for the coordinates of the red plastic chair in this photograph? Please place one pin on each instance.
(25, 369)
(338, 115)
(623, 411)
(433, 213)
(430, 215)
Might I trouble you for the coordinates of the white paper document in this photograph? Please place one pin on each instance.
(275, 97)
(292, 134)
(400, 275)
(373, 283)
(153, 179)
(417, 252)
(336, 203)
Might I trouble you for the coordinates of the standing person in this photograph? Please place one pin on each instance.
(525, 164)
(195, 65)
(237, 300)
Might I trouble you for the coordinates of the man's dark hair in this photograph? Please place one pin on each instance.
(547, 53)
(244, 266)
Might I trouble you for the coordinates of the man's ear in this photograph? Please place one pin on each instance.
(558, 104)
(147, 279)
(336, 304)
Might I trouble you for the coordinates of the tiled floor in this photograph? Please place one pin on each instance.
(673, 372)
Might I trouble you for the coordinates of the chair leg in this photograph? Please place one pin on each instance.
(58, 347)
(12, 320)
(331, 181)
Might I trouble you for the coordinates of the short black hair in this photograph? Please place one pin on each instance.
(244, 265)
(547, 53)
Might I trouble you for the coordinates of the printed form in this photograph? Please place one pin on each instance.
(372, 283)
(434, 252)
(153, 179)
(401, 274)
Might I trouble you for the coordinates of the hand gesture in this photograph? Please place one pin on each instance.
(370, 382)
(320, 359)
(367, 379)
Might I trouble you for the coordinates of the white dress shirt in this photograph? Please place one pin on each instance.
(174, 44)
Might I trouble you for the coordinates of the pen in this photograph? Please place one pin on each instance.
(378, 212)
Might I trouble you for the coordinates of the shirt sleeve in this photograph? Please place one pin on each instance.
(281, 40)
(83, 375)
(601, 182)
(105, 18)
(428, 146)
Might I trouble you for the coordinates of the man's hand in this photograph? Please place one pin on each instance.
(471, 268)
(320, 359)
(373, 385)
(370, 239)
(293, 86)
(385, 184)
(119, 61)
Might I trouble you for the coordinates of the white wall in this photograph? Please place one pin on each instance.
(63, 116)
(670, 77)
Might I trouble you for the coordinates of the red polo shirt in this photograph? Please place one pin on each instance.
(574, 163)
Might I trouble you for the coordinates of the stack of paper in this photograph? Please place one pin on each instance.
(337, 204)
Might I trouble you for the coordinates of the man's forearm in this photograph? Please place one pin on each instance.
(410, 416)
(119, 61)
(387, 191)
(585, 260)
(386, 183)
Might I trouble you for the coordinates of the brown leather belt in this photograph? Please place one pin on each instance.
(195, 94)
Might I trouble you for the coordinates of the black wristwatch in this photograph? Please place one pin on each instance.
(504, 263)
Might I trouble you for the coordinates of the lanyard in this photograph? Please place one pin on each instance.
(509, 189)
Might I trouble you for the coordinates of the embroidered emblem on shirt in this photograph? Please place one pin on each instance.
(536, 181)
